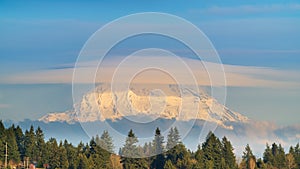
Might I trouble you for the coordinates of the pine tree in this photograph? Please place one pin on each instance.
(99, 157)
(176, 136)
(20, 141)
(268, 156)
(290, 161)
(53, 157)
(130, 154)
(275, 152)
(170, 141)
(13, 153)
(212, 155)
(280, 158)
(199, 158)
(260, 164)
(83, 162)
(71, 155)
(29, 144)
(63, 158)
(297, 155)
(275, 156)
(130, 147)
(212, 151)
(169, 165)
(249, 158)
(159, 159)
(2, 140)
(105, 141)
(228, 155)
(179, 156)
(147, 149)
(40, 145)
(173, 138)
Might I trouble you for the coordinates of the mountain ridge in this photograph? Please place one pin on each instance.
(164, 101)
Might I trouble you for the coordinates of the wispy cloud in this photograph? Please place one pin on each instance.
(249, 9)
(244, 76)
(4, 106)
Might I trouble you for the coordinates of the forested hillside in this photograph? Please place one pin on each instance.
(30, 148)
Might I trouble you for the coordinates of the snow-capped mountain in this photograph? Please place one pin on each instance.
(146, 100)
(143, 108)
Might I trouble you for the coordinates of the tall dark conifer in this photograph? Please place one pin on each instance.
(40, 145)
(268, 157)
(229, 160)
(29, 144)
(212, 151)
(158, 161)
(13, 153)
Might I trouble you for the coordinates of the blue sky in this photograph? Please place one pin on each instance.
(39, 35)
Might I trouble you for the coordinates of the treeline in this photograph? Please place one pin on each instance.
(169, 154)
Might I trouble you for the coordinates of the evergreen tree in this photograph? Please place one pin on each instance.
(170, 140)
(199, 158)
(2, 150)
(249, 158)
(2, 140)
(212, 155)
(275, 152)
(176, 136)
(80, 148)
(173, 138)
(130, 154)
(63, 158)
(130, 147)
(280, 157)
(147, 149)
(179, 156)
(290, 161)
(71, 155)
(229, 160)
(2, 129)
(260, 164)
(83, 162)
(297, 155)
(268, 156)
(105, 141)
(29, 144)
(99, 157)
(20, 141)
(148, 152)
(13, 153)
(169, 165)
(159, 159)
(39, 145)
(275, 156)
(53, 157)
(212, 151)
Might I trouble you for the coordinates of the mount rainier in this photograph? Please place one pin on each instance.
(149, 101)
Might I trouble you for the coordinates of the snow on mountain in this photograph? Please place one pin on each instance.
(146, 100)
(58, 117)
